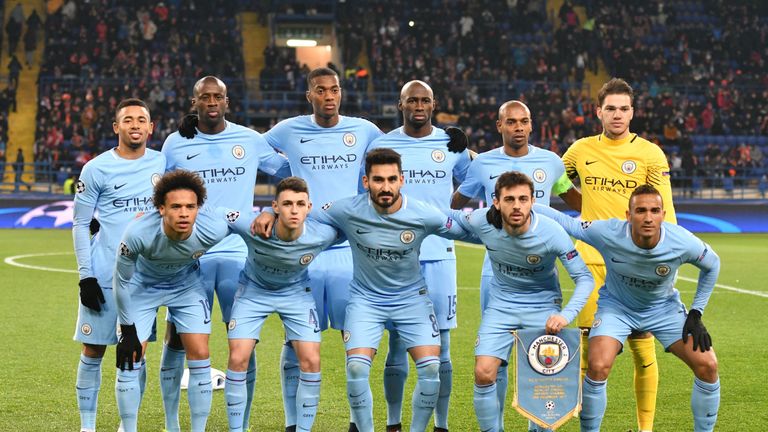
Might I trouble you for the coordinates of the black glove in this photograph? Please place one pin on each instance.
(90, 294)
(459, 140)
(493, 217)
(696, 329)
(128, 348)
(94, 226)
(188, 126)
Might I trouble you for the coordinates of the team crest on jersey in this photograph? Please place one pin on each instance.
(198, 254)
(597, 323)
(438, 156)
(477, 341)
(548, 354)
(662, 270)
(86, 329)
(124, 251)
(585, 224)
(232, 324)
(80, 186)
(238, 151)
(349, 139)
(533, 259)
(629, 167)
(407, 236)
(233, 216)
(346, 335)
(155, 178)
(306, 259)
(539, 175)
(327, 205)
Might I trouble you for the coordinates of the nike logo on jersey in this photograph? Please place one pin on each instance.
(192, 156)
(119, 186)
(303, 140)
(206, 321)
(494, 176)
(450, 317)
(617, 261)
(359, 231)
(589, 162)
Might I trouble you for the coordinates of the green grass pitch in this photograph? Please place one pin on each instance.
(39, 357)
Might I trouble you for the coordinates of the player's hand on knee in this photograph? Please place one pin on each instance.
(188, 126)
(129, 347)
(698, 332)
(90, 294)
(555, 323)
(262, 225)
(458, 139)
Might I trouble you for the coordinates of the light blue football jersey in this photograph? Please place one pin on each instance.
(274, 264)
(429, 170)
(542, 166)
(116, 189)
(643, 278)
(227, 162)
(524, 270)
(146, 257)
(385, 247)
(329, 159)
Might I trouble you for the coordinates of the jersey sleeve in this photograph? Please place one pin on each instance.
(273, 138)
(462, 166)
(125, 264)
(570, 159)
(658, 176)
(328, 214)
(472, 185)
(562, 185)
(444, 224)
(702, 256)
(574, 264)
(86, 197)
(270, 161)
(167, 151)
(574, 227)
(237, 222)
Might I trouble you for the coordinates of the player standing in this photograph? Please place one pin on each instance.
(642, 255)
(157, 265)
(542, 166)
(226, 156)
(610, 166)
(429, 171)
(114, 186)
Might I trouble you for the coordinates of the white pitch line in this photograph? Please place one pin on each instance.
(12, 261)
(683, 278)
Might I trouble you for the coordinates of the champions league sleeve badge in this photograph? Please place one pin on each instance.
(547, 372)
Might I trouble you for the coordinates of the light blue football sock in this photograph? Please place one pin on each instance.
(250, 384)
(359, 391)
(199, 392)
(594, 399)
(307, 399)
(128, 395)
(235, 394)
(87, 390)
(289, 376)
(395, 375)
(705, 402)
(501, 392)
(446, 380)
(486, 407)
(171, 370)
(426, 392)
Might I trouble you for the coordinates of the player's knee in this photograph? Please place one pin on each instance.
(310, 363)
(485, 374)
(94, 351)
(238, 361)
(200, 353)
(358, 368)
(598, 370)
(706, 369)
(429, 371)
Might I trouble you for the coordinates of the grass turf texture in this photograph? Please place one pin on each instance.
(40, 358)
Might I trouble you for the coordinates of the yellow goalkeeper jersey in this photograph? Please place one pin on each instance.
(609, 170)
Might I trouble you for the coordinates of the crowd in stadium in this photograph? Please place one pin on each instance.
(695, 65)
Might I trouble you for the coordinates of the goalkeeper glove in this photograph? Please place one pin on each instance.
(128, 348)
(90, 294)
(698, 332)
(188, 126)
(459, 140)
